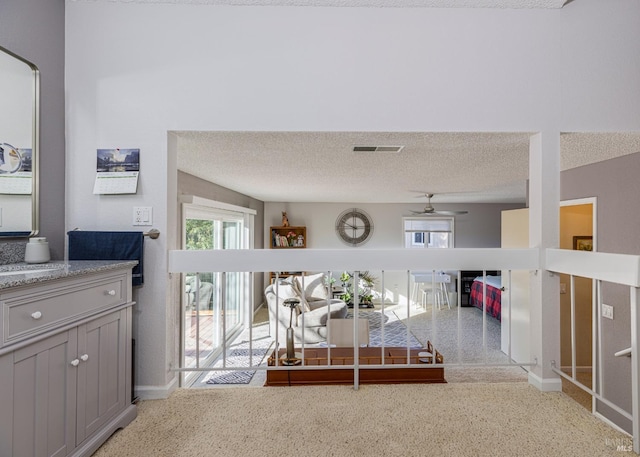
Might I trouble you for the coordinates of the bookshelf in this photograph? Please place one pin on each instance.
(288, 237)
(293, 237)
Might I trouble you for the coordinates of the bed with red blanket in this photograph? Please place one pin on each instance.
(494, 292)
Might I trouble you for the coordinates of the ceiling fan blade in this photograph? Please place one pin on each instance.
(450, 213)
(430, 210)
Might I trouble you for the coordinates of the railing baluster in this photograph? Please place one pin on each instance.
(277, 336)
(459, 300)
(635, 367)
(484, 315)
(572, 289)
(330, 286)
(382, 322)
(509, 310)
(303, 302)
(223, 295)
(433, 307)
(408, 309)
(356, 346)
(250, 318)
(600, 386)
(197, 304)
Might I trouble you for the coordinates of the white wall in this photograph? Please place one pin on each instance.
(135, 71)
(480, 228)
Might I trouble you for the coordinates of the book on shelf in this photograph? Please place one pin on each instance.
(280, 240)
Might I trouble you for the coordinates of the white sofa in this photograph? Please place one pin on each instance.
(313, 311)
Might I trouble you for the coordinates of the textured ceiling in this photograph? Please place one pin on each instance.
(367, 3)
(321, 167)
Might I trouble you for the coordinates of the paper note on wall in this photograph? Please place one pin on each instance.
(116, 183)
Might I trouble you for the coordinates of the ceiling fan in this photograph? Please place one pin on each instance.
(430, 210)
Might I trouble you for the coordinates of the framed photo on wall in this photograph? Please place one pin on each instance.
(583, 243)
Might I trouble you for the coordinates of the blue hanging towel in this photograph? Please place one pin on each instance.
(88, 245)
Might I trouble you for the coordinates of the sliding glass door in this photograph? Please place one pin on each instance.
(212, 301)
(234, 281)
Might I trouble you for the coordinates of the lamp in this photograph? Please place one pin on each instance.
(290, 358)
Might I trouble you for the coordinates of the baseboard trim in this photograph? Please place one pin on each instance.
(94, 442)
(157, 392)
(545, 385)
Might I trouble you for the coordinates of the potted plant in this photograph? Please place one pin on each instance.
(365, 288)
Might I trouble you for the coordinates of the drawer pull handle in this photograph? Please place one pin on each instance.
(84, 357)
(111, 292)
(75, 362)
(36, 315)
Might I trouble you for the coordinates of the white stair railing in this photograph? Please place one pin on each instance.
(623, 353)
(613, 268)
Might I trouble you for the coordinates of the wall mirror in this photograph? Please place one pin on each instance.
(19, 145)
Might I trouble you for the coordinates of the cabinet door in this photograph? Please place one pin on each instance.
(102, 346)
(44, 394)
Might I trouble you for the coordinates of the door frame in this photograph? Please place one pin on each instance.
(596, 350)
(227, 212)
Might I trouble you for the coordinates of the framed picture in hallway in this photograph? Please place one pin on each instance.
(583, 243)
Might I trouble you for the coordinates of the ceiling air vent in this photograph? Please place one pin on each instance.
(390, 149)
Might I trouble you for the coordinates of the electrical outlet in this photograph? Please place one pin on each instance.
(607, 311)
(142, 215)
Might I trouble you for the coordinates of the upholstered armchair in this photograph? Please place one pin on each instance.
(205, 293)
(310, 317)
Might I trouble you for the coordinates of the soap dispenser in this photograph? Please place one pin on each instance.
(37, 251)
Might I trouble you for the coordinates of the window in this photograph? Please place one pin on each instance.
(428, 232)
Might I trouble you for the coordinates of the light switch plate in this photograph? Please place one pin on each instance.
(142, 215)
(607, 311)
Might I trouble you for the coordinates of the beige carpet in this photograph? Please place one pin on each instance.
(464, 419)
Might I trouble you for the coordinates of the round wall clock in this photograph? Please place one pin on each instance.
(354, 227)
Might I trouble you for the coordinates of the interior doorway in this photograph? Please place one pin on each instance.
(578, 231)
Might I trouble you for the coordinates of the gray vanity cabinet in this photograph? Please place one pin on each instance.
(43, 402)
(101, 393)
(65, 383)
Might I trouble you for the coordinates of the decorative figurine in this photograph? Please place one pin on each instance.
(285, 219)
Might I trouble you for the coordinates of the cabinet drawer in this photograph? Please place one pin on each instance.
(35, 313)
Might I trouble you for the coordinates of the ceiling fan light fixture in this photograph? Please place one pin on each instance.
(430, 210)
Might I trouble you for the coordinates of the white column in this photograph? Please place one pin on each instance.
(544, 228)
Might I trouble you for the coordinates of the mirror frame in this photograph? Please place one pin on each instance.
(35, 151)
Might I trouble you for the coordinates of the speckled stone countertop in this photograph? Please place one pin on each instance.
(30, 273)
